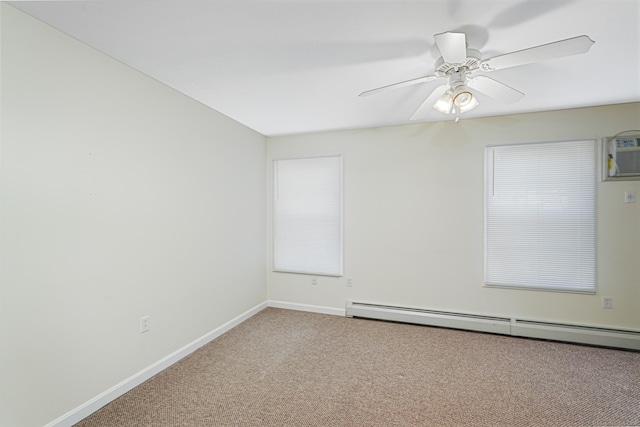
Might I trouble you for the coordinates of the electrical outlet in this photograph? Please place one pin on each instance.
(607, 302)
(349, 282)
(314, 281)
(144, 324)
(629, 196)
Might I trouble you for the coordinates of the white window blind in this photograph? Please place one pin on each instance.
(307, 216)
(540, 216)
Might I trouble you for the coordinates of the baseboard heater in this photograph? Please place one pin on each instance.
(591, 335)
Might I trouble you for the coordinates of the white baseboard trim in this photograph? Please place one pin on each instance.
(307, 307)
(78, 414)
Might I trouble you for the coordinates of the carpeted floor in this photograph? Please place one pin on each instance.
(290, 368)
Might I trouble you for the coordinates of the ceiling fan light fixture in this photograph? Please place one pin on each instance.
(444, 103)
(464, 99)
(473, 103)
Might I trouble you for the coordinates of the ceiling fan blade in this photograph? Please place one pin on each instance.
(398, 85)
(494, 89)
(559, 49)
(452, 46)
(422, 111)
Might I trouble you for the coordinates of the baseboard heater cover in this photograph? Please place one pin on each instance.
(497, 325)
(606, 337)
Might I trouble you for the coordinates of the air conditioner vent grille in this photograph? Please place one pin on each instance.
(628, 162)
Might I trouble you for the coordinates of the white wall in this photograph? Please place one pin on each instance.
(119, 198)
(414, 219)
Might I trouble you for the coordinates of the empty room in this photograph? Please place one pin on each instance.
(320, 213)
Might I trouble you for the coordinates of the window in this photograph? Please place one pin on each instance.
(307, 215)
(540, 216)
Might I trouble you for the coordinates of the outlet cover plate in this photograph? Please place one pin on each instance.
(629, 196)
(144, 324)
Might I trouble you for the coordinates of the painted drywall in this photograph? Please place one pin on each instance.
(120, 198)
(414, 212)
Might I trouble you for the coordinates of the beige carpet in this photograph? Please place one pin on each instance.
(289, 368)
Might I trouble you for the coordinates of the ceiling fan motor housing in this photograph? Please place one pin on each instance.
(472, 63)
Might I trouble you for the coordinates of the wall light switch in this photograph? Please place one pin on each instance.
(629, 196)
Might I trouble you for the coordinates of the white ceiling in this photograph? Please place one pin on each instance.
(296, 66)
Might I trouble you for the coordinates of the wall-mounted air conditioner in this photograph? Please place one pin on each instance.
(621, 158)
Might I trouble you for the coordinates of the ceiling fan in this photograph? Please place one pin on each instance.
(458, 64)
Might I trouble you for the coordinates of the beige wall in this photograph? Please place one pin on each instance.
(119, 198)
(414, 219)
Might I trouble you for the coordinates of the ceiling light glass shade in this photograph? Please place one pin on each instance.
(464, 99)
(444, 103)
(469, 106)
